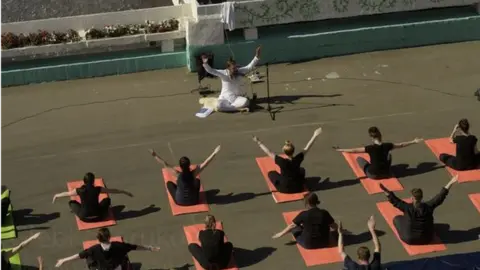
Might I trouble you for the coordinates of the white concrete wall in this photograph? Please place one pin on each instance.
(100, 20)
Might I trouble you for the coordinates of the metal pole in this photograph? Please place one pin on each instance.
(268, 89)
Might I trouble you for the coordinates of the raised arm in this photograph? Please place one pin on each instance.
(264, 148)
(40, 262)
(394, 200)
(70, 193)
(442, 195)
(405, 144)
(215, 72)
(67, 259)
(252, 64)
(454, 133)
(116, 191)
(310, 143)
(15, 250)
(207, 161)
(371, 228)
(163, 163)
(341, 248)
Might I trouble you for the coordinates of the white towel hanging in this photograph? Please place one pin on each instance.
(228, 14)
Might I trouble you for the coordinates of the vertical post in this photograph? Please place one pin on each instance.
(268, 89)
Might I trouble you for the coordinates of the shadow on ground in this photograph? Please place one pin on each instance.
(183, 267)
(25, 217)
(246, 257)
(214, 198)
(316, 184)
(349, 239)
(121, 215)
(404, 170)
(449, 236)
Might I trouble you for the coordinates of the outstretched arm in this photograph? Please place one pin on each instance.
(164, 163)
(264, 148)
(310, 143)
(116, 191)
(215, 72)
(350, 150)
(70, 193)
(442, 195)
(405, 144)
(287, 229)
(371, 228)
(148, 248)
(40, 262)
(207, 161)
(252, 64)
(60, 262)
(15, 250)
(454, 133)
(341, 248)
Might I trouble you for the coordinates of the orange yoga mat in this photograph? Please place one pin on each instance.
(389, 212)
(109, 221)
(315, 256)
(266, 165)
(444, 146)
(90, 243)
(372, 186)
(191, 232)
(475, 200)
(182, 210)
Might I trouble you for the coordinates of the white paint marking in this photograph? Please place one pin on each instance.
(332, 75)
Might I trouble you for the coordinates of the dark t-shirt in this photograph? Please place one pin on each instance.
(89, 200)
(379, 160)
(5, 262)
(465, 146)
(187, 189)
(316, 227)
(375, 264)
(107, 260)
(291, 171)
(212, 242)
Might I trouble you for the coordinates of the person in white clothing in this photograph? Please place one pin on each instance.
(233, 97)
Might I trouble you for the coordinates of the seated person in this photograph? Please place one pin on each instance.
(416, 225)
(313, 228)
(106, 255)
(187, 189)
(4, 205)
(291, 178)
(213, 252)
(363, 253)
(232, 97)
(89, 209)
(467, 154)
(6, 255)
(379, 153)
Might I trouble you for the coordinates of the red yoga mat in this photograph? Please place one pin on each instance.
(444, 146)
(109, 221)
(191, 233)
(389, 212)
(475, 200)
(202, 206)
(315, 256)
(266, 165)
(372, 186)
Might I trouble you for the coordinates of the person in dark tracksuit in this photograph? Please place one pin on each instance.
(467, 155)
(187, 189)
(416, 225)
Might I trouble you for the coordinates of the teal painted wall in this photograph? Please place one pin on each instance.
(285, 43)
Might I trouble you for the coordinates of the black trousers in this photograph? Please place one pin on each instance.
(405, 234)
(364, 164)
(92, 265)
(80, 212)
(5, 206)
(172, 189)
(451, 161)
(281, 183)
(220, 263)
(297, 231)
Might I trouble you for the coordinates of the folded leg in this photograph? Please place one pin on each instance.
(448, 160)
(240, 104)
(198, 254)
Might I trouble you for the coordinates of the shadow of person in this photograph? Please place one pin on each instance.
(25, 267)
(41, 228)
(183, 267)
(349, 239)
(244, 257)
(214, 198)
(135, 266)
(290, 99)
(25, 217)
(448, 236)
(404, 170)
(316, 184)
(121, 215)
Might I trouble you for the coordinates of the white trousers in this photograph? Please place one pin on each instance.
(227, 106)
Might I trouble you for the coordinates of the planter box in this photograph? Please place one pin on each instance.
(46, 50)
(116, 41)
(177, 34)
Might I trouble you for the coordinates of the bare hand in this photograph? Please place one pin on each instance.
(40, 260)
(35, 236)
(204, 59)
(258, 51)
(454, 179)
(340, 227)
(417, 140)
(154, 249)
(317, 132)
(455, 127)
(54, 198)
(59, 263)
(277, 235)
(371, 223)
(217, 149)
(336, 148)
(255, 139)
(152, 152)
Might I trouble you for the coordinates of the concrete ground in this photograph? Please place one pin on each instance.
(55, 132)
